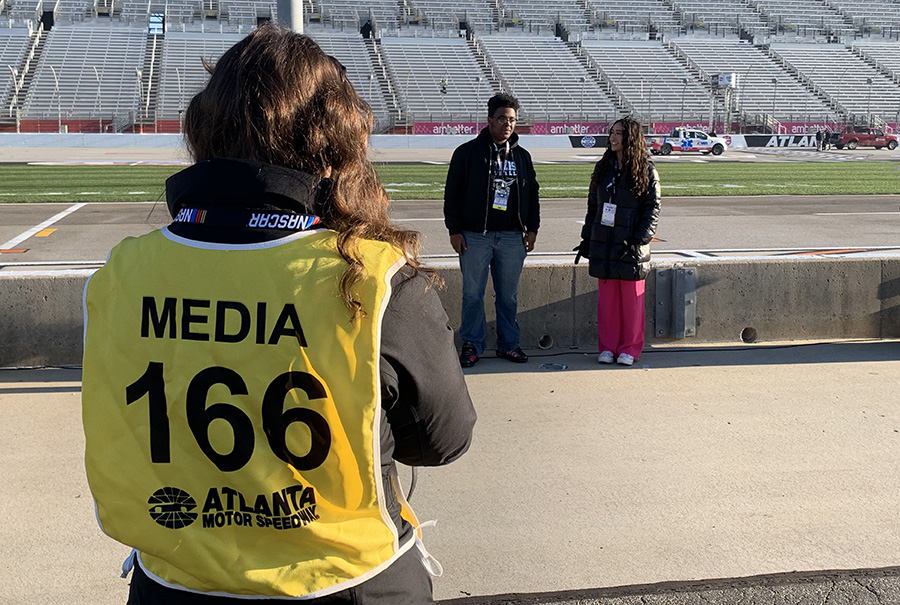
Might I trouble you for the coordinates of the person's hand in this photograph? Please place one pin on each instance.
(458, 242)
(582, 250)
(529, 238)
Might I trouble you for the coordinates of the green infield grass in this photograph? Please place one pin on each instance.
(25, 183)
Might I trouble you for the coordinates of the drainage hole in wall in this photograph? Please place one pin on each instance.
(749, 335)
(546, 342)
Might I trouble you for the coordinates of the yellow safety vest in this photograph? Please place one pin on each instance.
(231, 413)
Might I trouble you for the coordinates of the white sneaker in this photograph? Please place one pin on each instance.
(624, 359)
(606, 357)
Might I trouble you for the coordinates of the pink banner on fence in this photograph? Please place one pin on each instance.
(812, 127)
(470, 128)
(570, 128)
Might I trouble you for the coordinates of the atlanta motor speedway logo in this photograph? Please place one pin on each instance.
(172, 507)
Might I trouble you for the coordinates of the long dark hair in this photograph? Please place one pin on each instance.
(276, 97)
(635, 158)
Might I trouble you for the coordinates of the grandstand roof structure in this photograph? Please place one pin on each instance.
(114, 65)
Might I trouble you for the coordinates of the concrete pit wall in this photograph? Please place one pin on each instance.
(763, 300)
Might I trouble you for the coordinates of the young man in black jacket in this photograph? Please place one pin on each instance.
(492, 212)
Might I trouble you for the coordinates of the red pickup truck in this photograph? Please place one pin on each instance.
(857, 136)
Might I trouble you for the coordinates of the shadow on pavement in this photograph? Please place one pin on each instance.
(880, 586)
(701, 356)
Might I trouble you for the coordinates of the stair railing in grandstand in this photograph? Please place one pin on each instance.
(122, 121)
(150, 90)
(15, 96)
(495, 73)
(689, 62)
(384, 123)
(32, 50)
(605, 81)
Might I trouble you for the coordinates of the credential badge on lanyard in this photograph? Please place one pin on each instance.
(501, 185)
(608, 218)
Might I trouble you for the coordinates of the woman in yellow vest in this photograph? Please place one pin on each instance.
(253, 370)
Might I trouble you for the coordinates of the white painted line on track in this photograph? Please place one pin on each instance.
(53, 263)
(50, 273)
(854, 213)
(53, 219)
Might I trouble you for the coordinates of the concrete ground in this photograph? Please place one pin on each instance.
(760, 474)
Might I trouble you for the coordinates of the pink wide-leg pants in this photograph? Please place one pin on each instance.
(620, 316)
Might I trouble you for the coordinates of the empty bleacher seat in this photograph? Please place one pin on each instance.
(765, 87)
(851, 82)
(542, 13)
(418, 66)
(352, 13)
(547, 78)
(637, 15)
(182, 73)
(650, 79)
(74, 53)
(479, 15)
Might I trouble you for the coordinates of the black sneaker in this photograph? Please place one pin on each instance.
(516, 355)
(469, 356)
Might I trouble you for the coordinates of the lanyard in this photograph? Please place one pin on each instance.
(502, 155)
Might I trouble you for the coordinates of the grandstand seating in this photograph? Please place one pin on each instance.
(351, 51)
(352, 14)
(635, 15)
(13, 44)
(546, 14)
(480, 15)
(885, 57)
(849, 81)
(183, 74)
(21, 10)
(650, 80)
(869, 15)
(720, 15)
(418, 66)
(73, 52)
(764, 87)
(73, 10)
(246, 13)
(803, 16)
(550, 83)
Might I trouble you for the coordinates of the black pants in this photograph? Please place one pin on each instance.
(406, 582)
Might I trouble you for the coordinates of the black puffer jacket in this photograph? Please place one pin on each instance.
(467, 195)
(623, 250)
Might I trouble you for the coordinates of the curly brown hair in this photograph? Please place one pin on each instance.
(635, 157)
(276, 97)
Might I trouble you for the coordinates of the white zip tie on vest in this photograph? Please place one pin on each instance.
(432, 565)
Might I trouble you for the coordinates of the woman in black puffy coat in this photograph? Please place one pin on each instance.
(623, 211)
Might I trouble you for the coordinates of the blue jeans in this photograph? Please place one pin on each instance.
(503, 252)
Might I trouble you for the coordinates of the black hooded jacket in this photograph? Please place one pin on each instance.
(467, 195)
